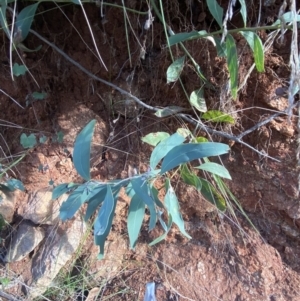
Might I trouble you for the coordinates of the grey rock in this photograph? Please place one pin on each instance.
(41, 209)
(59, 247)
(24, 241)
(7, 205)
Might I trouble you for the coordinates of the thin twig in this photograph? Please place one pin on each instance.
(186, 117)
(8, 296)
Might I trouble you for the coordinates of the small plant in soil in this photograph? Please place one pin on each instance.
(173, 152)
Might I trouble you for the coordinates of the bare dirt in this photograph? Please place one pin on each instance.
(223, 260)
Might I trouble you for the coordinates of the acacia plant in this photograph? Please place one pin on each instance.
(172, 151)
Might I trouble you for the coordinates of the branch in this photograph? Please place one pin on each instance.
(186, 117)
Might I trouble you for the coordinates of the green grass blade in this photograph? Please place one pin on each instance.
(82, 150)
(232, 62)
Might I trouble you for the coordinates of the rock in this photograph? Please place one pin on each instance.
(62, 242)
(41, 209)
(24, 241)
(7, 205)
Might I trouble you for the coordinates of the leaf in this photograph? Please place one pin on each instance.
(189, 177)
(243, 11)
(154, 195)
(14, 184)
(216, 10)
(259, 54)
(168, 111)
(154, 138)
(232, 62)
(172, 206)
(100, 239)
(164, 147)
(184, 132)
(19, 69)
(141, 189)
(24, 20)
(201, 139)
(257, 47)
(216, 169)
(43, 139)
(60, 137)
(175, 69)
(60, 189)
(28, 141)
(197, 100)
(135, 219)
(102, 220)
(163, 236)
(72, 204)
(221, 47)
(212, 195)
(82, 150)
(188, 152)
(185, 36)
(287, 18)
(25, 49)
(95, 201)
(39, 95)
(217, 116)
(3, 21)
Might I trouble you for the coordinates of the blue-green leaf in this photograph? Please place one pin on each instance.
(43, 139)
(197, 100)
(212, 195)
(164, 147)
(154, 195)
(14, 184)
(24, 21)
(19, 69)
(72, 204)
(135, 219)
(185, 36)
(216, 169)
(28, 141)
(154, 138)
(257, 47)
(191, 151)
(39, 95)
(172, 206)
(163, 236)
(168, 111)
(232, 62)
(287, 18)
(140, 187)
(100, 239)
(243, 11)
(104, 214)
(82, 150)
(175, 69)
(61, 189)
(216, 10)
(95, 201)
